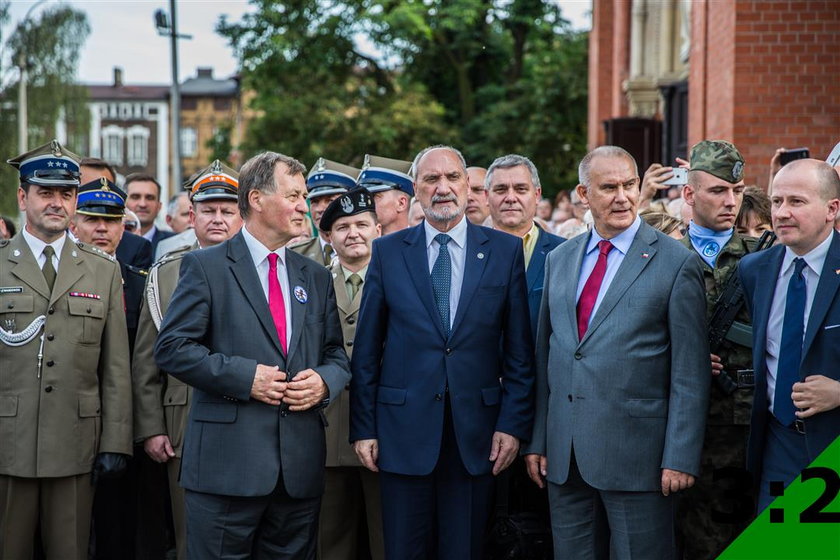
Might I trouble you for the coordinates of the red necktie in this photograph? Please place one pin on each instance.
(589, 295)
(275, 300)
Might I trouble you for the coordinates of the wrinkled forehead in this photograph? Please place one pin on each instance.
(612, 169)
(439, 160)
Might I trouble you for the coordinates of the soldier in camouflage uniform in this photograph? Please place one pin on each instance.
(161, 402)
(717, 508)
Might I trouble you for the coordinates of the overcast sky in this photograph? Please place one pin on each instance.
(123, 34)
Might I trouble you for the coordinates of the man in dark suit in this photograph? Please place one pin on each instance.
(622, 375)
(793, 290)
(254, 330)
(441, 392)
(144, 193)
(513, 191)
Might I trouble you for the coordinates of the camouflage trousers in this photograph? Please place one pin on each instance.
(712, 513)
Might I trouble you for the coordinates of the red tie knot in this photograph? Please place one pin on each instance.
(272, 261)
(604, 247)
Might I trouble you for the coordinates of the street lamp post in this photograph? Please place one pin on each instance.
(23, 116)
(169, 28)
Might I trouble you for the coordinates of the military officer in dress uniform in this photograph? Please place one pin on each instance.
(325, 183)
(161, 402)
(65, 389)
(352, 491)
(717, 508)
(392, 189)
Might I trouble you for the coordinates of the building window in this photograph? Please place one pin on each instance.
(138, 145)
(112, 144)
(189, 142)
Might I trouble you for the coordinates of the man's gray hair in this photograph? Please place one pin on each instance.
(585, 166)
(258, 175)
(413, 171)
(509, 161)
(172, 206)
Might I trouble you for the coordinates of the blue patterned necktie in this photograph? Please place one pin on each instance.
(790, 349)
(441, 280)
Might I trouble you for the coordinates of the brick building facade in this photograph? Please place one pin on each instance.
(666, 74)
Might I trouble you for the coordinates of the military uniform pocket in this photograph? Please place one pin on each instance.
(91, 312)
(8, 419)
(90, 412)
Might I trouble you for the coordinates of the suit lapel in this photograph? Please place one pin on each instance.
(571, 297)
(69, 270)
(825, 294)
(637, 258)
(473, 269)
(767, 274)
(298, 278)
(243, 268)
(537, 265)
(25, 267)
(417, 262)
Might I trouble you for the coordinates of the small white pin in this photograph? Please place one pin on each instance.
(74, 254)
(480, 255)
(16, 253)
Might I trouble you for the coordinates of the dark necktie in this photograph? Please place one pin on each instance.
(275, 300)
(328, 254)
(355, 281)
(441, 280)
(48, 269)
(589, 295)
(790, 349)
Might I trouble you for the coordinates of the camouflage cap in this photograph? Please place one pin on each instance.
(718, 157)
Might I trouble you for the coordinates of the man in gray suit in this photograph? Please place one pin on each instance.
(622, 375)
(254, 329)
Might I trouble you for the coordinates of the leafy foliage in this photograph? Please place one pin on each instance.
(344, 78)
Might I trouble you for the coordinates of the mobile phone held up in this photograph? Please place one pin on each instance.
(833, 158)
(679, 179)
(793, 154)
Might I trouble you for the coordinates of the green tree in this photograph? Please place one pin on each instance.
(50, 45)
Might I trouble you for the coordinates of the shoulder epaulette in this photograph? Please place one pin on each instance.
(302, 243)
(94, 250)
(137, 270)
(172, 256)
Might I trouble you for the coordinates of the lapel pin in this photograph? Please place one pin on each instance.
(74, 254)
(480, 255)
(645, 255)
(300, 294)
(16, 253)
(837, 271)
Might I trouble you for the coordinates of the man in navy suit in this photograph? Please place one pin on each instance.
(513, 191)
(441, 393)
(793, 290)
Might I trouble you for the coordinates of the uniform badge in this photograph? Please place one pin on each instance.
(346, 205)
(11, 290)
(74, 253)
(9, 324)
(711, 249)
(85, 295)
(480, 255)
(300, 294)
(16, 252)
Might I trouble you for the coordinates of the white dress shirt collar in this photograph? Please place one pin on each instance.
(815, 258)
(37, 247)
(457, 233)
(259, 252)
(622, 241)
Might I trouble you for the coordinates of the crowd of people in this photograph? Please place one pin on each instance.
(368, 363)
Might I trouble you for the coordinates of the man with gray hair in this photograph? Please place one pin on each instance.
(622, 352)
(442, 382)
(255, 332)
(513, 192)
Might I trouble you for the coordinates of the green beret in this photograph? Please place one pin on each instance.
(718, 157)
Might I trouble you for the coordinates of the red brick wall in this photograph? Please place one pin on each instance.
(764, 74)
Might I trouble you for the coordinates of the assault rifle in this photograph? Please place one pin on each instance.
(722, 324)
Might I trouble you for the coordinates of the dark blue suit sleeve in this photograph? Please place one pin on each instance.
(516, 416)
(367, 353)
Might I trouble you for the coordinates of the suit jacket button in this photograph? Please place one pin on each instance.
(50, 363)
(578, 355)
(48, 389)
(350, 320)
(51, 310)
(283, 413)
(349, 343)
(570, 398)
(449, 351)
(438, 397)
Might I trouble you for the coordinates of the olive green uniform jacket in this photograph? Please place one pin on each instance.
(54, 420)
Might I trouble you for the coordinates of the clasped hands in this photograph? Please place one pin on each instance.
(305, 390)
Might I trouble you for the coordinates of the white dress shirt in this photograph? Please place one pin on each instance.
(457, 255)
(37, 247)
(259, 255)
(814, 261)
(621, 244)
(150, 235)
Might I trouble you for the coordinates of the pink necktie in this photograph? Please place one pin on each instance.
(275, 300)
(589, 295)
